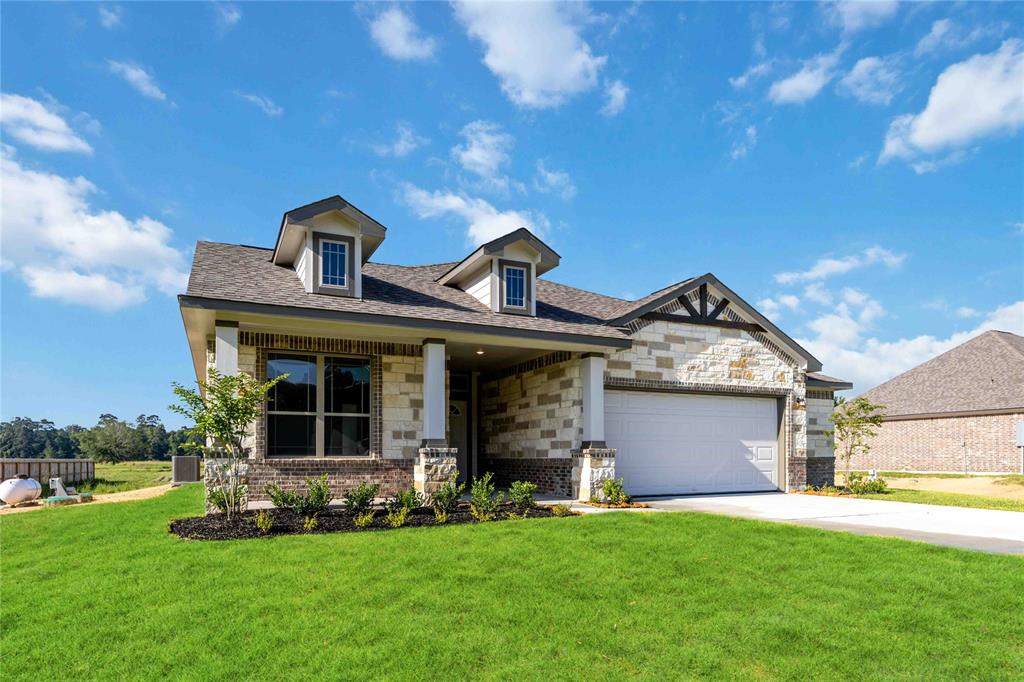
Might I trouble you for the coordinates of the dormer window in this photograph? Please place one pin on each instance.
(333, 264)
(515, 286)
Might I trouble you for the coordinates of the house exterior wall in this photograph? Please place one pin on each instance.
(938, 445)
(531, 420)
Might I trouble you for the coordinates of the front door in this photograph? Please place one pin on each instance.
(458, 425)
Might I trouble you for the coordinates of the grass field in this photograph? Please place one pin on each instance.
(115, 478)
(949, 499)
(105, 592)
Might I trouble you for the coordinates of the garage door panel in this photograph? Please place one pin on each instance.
(675, 443)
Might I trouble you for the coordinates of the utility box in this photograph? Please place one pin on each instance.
(184, 469)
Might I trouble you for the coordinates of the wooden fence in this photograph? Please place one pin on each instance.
(69, 470)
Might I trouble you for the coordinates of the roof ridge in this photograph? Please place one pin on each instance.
(1004, 337)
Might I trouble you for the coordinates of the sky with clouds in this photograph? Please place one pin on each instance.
(854, 169)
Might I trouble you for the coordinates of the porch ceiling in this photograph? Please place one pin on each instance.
(464, 357)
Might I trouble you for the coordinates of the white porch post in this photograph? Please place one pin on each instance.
(436, 462)
(592, 367)
(226, 347)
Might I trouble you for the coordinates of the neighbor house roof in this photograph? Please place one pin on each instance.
(983, 374)
(245, 274)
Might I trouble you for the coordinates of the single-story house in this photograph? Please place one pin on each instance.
(400, 374)
(958, 412)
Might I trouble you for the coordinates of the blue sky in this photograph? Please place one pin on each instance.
(855, 169)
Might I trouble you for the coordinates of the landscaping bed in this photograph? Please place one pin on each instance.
(288, 522)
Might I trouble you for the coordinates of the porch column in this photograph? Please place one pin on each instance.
(436, 461)
(593, 366)
(226, 347)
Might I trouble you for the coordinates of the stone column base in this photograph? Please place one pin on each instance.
(434, 466)
(591, 467)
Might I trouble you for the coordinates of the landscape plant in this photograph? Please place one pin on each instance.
(447, 496)
(222, 410)
(396, 516)
(364, 519)
(614, 490)
(264, 521)
(309, 505)
(855, 422)
(360, 498)
(561, 509)
(484, 499)
(521, 495)
(860, 484)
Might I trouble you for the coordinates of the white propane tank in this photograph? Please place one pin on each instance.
(17, 490)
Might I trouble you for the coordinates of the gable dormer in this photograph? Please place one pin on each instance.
(502, 273)
(327, 243)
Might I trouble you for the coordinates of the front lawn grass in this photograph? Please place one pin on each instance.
(115, 478)
(1012, 479)
(948, 499)
(105, 592)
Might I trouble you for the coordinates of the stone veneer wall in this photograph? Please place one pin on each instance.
(819, 409)
(938, 445)
(697, 358)
(531, 420)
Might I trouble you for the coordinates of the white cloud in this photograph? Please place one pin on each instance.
(966, 312)
(973, 99)
(398, 36)
(535, 49)
(805, 84)
(751, 74)
(772, 307)
(485, 152)
(483, 221)
(947, 35)
(854, 15)
(859, 161)
(849, 353)
(33, 123)
(872, 80)
(111, 16)
(266, 105)
(817, 292)
(741, 148)
(553, 182)
(615, 94)
(406, 141)
(138, 78)
(824, 268)
(64, 248)
(228, 15)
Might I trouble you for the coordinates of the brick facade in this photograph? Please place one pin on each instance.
(551, 474)
(975, 444)
(343, 473)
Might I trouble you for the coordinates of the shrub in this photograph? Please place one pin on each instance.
(484, 500)
(365, 519)
(447, 496)
(264, 521)
(521, 495)
(309, 523)
(440, 515)
(217, 499)
(407, 499)
(358, 501)
(310, 505)
(561, 509)
(860, 484)
(397, 516)
(614, 491)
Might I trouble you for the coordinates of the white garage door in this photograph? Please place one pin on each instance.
(671, 444)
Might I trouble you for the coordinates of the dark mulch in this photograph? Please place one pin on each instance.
(287, 522)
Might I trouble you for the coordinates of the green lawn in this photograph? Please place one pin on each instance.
(948, 499)
(115, 478)
(104, 592)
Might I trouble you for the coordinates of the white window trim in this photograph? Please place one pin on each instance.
(504, 284)
(344, 263)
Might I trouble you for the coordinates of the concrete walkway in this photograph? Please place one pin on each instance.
(987, 530)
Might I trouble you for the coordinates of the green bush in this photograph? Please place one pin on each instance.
(860, 484)
(614, 491)
(440, 515)
(397, 516)
(484, 499)
(406, 499)
(561, 509)
(310, 505)
(446, 498)
(309, 523)
(521, 495)
(358, 501)
(365, 519)
(264, 521)
(217, 499)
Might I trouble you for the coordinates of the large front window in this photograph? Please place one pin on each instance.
(321, 409)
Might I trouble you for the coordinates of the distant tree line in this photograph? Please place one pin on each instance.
(110, 440)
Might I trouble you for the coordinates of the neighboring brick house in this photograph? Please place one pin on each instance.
(957, 412)
(398, 374)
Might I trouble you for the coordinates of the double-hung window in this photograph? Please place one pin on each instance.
(333, 264)
(322, 408)
(515, 286)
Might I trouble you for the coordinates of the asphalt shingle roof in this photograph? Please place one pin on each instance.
(245, 274)
(984, 373)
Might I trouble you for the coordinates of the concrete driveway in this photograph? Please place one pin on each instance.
(980, 529)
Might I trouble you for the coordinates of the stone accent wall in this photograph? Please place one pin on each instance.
(551, 474)
(401, 406)
(434, 467)
(938, 445)
(591, 467)
(818, 411)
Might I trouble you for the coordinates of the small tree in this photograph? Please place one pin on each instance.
(855, 422)
(222, 411)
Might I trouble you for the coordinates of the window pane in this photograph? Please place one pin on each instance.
(333, 262)
(346, 385)
(515, 287)
(297, 393)
(346, 436)
(291, 435)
